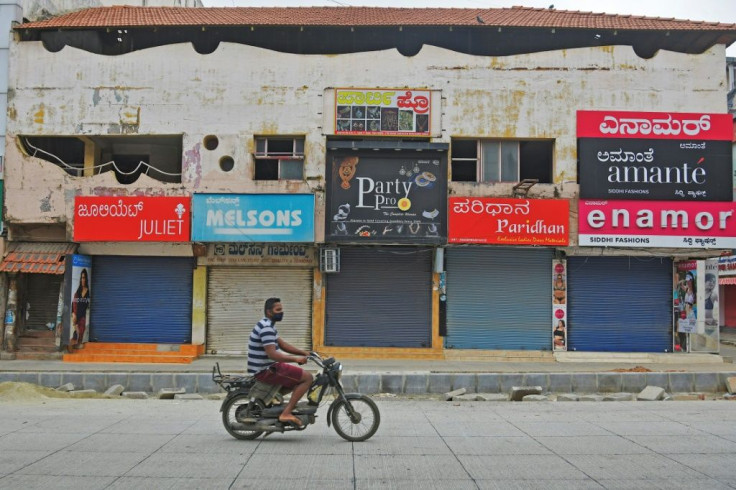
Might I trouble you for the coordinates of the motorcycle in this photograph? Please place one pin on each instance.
(252, 408)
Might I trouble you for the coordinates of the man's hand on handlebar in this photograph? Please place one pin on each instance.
(301, 360)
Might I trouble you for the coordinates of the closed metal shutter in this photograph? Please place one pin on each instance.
(619, 304)
(499, 298)
(42, 295)
(382, 297)
(235, 299)
(729, 298)
(141, 300)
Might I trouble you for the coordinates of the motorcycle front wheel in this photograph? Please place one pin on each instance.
(364, 422)
(235, 411)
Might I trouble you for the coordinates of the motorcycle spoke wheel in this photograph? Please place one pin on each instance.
(363, 426)
(237, 409)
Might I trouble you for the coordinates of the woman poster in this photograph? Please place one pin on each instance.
(80, 301)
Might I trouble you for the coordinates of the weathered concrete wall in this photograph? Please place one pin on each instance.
(239, 91)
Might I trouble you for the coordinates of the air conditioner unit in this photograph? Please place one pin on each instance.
(329, 260)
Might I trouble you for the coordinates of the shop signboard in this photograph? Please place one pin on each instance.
(502, 221)
(382, 112)
(672, 224)
(395, 199)
(253, 218)
(655, 156)
(131, 219)
(259, 254)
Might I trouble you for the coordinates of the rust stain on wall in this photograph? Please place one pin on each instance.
(39, 115)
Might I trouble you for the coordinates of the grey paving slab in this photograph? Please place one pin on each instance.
(215, 442)
(439, 382)
(586, 444)
(66, 463)
(37, 441)
(681, 382)
(633, 382)
(488, 383)
(150, 426)
(538, 484)
(300, 467)
(609, 382)
(124, 443)
(408, 468)
(560, 382)
(520, 467)
(584, 383)
(381, 484)
(402, 446)
(718, 466)
(631, 467)
(175, 483)
(707, 382)
(648, 428)
(415, 383)
(555, 427)
(44, 482)
(508, 380)
(14, 460)
(665, 484)
(309, 484)
(182, 465)
(392, 383)
(469, 381)
(701, 444)
(492, 446)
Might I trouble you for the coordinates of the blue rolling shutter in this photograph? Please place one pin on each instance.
(382, 297)
(619, 304)
(141, 300)
(499, 298)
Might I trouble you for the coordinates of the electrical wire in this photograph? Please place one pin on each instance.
(112, 163)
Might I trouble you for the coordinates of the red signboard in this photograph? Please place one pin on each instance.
(655, 125)
(656, 224)
(131, 219)
(509, 221)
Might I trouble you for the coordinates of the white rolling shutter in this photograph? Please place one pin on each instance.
(235, 298)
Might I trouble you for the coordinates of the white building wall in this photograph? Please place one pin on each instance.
(241, 91)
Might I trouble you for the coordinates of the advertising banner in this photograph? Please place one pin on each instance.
(131, 219)
(655, 169)
(382, 112)
(656, 224)
(559, 305)
(508, 221)
(654, 125)
(253, 217)
(77, 299)
(400, 199)
(696, 306)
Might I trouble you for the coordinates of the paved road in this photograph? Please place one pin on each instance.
(141, 444)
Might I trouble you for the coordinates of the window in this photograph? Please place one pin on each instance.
(501, 160)
(279, 158)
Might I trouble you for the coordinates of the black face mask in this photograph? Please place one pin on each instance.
(277, 317)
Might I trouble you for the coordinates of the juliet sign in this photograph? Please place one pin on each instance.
(655, 156)
(656, 224)
(508, 221)
(131, 219)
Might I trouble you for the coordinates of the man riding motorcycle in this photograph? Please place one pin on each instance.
(268, 361)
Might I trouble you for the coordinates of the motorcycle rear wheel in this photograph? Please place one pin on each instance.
(366, 424)
(237, 409)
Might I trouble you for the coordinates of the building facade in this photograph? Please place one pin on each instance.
(410, 189)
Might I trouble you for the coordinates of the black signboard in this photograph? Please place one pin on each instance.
(655, 169)
(377, 197)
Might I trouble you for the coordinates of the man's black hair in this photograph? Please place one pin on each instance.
(269, 304)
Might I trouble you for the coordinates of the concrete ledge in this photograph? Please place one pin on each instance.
(408, 382)
(638, 358)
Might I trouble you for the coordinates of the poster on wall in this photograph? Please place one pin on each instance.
(77, 300)
(400, 199)
(707, 335)
(684, 300)
(559, 305)
(382, 112)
